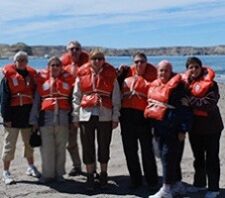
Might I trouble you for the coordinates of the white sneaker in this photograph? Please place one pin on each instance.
(162, 194)
(212, 194)
(178, 189)
(32, 171)
(194, 189)
(7, 178)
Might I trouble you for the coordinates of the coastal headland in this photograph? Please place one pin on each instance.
(7, 51)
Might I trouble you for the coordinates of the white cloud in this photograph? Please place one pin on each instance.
(25, 18)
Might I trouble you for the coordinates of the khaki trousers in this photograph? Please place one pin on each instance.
(10, 139)
(53, 150)
(73, 148)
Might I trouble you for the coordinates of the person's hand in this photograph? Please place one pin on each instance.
(185, 101)
(76, 124)
(35, 127)
(114, 124)
(181, 136)
(7, 124)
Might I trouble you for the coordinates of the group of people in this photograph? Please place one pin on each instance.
(82, 91)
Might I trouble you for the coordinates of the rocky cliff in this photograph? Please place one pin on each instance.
(41, 50)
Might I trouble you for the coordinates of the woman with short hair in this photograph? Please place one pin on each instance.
(17, 92)
(96, 104)
(50, 114)
(205, 134)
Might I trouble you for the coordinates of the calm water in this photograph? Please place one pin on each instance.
(216, 62)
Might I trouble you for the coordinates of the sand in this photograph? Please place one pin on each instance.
(29, 187)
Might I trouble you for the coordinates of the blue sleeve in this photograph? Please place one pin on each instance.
(5, 101)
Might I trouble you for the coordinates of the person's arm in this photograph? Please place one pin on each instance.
(116, 101)
(35, 111)
(77, 95)
(122, 73)
(208, 102)
(5, 101)
(183, 111)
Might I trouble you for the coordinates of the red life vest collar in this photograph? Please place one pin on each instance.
(200, 87)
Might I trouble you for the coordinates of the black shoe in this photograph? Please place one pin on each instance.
(135, 185)
(153, 188)
(75, 171)
(90, 183)
(103, 179)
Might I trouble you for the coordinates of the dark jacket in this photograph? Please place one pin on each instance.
(213, 122)
(178, 120)
(18, 115)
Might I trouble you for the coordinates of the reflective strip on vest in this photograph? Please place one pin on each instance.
(20, 96)
(132, 93)
(163, 104)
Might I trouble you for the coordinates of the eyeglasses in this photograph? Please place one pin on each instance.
(22, 60)
(74, 49)
(97, 58)
(55, 65)
(139, 61)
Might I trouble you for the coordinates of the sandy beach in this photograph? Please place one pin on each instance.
(118, 175)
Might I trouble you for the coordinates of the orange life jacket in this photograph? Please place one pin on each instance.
(134, 93)
(21, 89)
(201, 86)
(55, 92)
(96, 88)
(158, 97)
(150, 72)
(72, 69)
(67, 60)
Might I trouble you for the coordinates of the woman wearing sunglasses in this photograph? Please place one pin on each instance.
(50, 113)
(17, 92)
(96, 104)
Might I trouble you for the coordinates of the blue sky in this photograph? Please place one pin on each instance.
(114, 24)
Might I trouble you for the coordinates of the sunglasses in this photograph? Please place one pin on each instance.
(22, 60)
(74, 49)
(55, 65)
(139, 61)
(97, 58)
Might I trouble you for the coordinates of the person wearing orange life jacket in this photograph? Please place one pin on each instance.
(96, 105)
(74, 57)
(17, 92)
(72, 60)
(134, 127)
(205, 134)
(124, 71)
(171, 117)
(50, 113)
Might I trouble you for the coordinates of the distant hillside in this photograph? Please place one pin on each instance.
(41, 50)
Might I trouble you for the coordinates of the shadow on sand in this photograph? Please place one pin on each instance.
(117, 185)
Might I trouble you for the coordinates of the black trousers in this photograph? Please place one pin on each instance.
(205, 148)
(104, 136)
(135, 128)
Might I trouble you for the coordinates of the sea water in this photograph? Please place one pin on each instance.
(178, 62)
